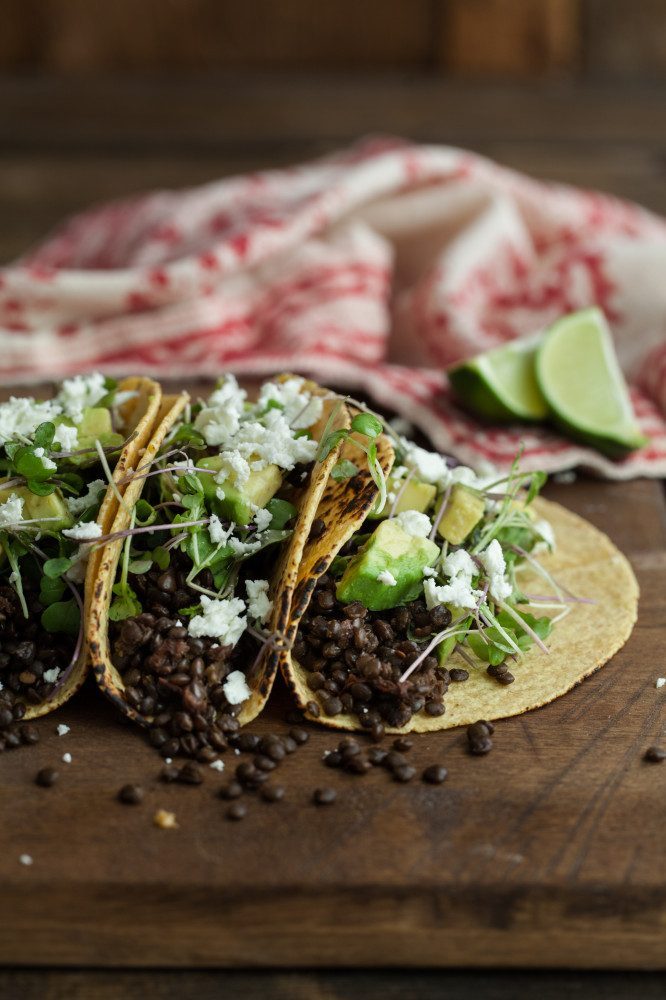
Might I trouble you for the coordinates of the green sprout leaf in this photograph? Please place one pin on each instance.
(51, 590)
(328, 443)
(343, 470)
(56, 567)
(161, 557)
(536, 484)
(126, 603)
(138, 566)
(281, 512)
(62, 616)
(43, 437)
(368, 424)
(41, 489)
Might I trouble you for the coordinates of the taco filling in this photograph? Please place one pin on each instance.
(202, 563)
(428, 587)
(55, 460)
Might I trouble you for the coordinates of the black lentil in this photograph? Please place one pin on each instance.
(131, 795)
(47, 777)
(324, 796)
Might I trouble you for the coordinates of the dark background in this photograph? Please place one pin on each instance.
(100, 98)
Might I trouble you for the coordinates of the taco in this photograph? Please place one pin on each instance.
(460, 598)
(197, 573)
(57, 495)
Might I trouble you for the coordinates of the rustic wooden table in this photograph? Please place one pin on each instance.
(548, 853)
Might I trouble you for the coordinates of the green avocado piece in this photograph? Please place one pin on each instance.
(389, 548)
(415, 496)
(447, 646)
(464, 511)
(95, 425)
(38, 508)
(95, 422)
(239, 505)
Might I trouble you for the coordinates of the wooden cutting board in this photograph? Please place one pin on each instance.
(549, 852)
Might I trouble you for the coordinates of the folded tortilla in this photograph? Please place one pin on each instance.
(584, 562)
(138, 417)
(283, 579)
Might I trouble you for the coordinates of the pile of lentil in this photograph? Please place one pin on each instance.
(171, 677)
(354, 659)
(27, 652)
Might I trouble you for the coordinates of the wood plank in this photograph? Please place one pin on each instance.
(510, 38)
(117, 984)
(549, 852)
(257, 113)
(625, 40)
(80, 37)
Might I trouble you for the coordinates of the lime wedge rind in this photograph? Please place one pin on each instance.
(578, 373)
(500, 385)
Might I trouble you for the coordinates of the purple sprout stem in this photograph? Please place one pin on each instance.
(440, 513)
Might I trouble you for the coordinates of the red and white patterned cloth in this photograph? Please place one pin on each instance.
(375, 269)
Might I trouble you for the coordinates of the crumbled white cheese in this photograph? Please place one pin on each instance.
(62, 729)
(259, 604)
(428, 466)
(464, 475)
(262, 519)
(460, 568)
(414, 523)
(221, 619)
(243, 548)
(660, 682)
(387, 578)
(493, 563)
(460, 563)
(79, 392)
(84, 531)
(545, 531)
(234, 468)
(20, 417)
(67, 437)
(219, 418)
(217, 765)
(39, 452)
(51, 676)
(235, 688)
(76, 505)
(67, 758)
(301, 409)
(77, 571)
(11, 511)
(218, 533)
(429, 571)
(25, 859)
(458, 592)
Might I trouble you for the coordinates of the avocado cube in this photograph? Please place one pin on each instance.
(95, 423)
(464, 511)
(415, 496)
(39, 508)
(238, 505)
(389, 549)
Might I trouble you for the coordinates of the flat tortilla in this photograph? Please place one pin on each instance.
(138, 415)
(585, 562)
(282, 585)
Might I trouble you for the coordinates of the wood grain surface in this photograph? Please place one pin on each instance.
(548, 852)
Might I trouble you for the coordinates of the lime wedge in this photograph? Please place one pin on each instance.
(500, 385)
(579, 376)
